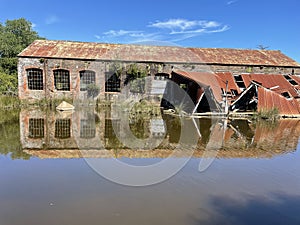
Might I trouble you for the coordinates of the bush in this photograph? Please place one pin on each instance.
(268, 114)
(92, 90)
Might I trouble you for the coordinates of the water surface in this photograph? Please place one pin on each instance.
(255, 178)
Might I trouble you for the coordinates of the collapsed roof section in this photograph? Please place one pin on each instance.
(262, 91)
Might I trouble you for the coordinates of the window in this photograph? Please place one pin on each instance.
(35, 79)
(62, 80)
(87, 129)
(86, 77)
(63, 128)
(112, 83)
(289, 79)
(112, 126)
(36, 128)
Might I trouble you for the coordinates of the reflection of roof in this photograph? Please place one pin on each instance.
(278, 83)
(285, 134)
(267, 152)
(101, 51)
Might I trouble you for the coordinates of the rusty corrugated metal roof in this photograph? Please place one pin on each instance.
(276, 82)
(102, 51)
(227, 76)
(98, 51)
(268, 99)
(205, 79)
(244, 57)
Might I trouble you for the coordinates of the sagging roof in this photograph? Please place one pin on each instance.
(204, 79)
(224, 77)
(268, 99)
(142, 53)
(278, 83)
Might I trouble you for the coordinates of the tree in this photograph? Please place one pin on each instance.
(15, 35)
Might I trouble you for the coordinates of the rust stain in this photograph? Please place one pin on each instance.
(101, 51)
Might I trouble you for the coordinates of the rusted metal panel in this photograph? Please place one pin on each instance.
(268, 99)
(275, 82)
(204, 79)
(227, 76)
(101, 51)
(98, 51)
(244, 57)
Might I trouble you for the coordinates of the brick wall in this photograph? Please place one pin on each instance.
(101, 67)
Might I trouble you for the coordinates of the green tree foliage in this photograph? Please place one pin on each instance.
(135, 76)
(15, 35)
(9, 83)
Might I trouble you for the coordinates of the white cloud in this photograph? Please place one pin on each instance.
(231, 2)
(170, 30)
(33, 25)
(51, 19)
(184, 24)
(119, 33)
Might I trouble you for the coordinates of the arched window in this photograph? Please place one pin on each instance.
(35, 79)
(62, 80)
(87, 77)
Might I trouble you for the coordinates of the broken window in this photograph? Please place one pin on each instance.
(87, 77)
(63, 128)
(62, 80)
(36, 128)
(112, 83)
(286, 94)
(289, 79)
(87, 129)
(239, 81)
(35, 79)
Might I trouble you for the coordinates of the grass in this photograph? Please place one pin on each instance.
(268, 114)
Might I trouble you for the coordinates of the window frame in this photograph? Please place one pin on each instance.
(62, 80)
(112, 86)
(86, 75)
(36, 82)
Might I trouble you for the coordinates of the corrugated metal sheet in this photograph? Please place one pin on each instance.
(205, 79)
(244, 56)
(271, 81)
(100, 51)
(227, 76)
(296, 78)
(268, 99)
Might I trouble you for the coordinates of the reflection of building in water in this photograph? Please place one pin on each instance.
(96, 134)
(36, 128)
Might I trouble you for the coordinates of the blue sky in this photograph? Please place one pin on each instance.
(192, 23)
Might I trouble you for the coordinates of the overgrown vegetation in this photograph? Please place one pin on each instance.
(92, 90)
(268, 114)
(135, 76)
(15, 35)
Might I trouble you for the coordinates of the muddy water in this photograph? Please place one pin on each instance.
(251, 176)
